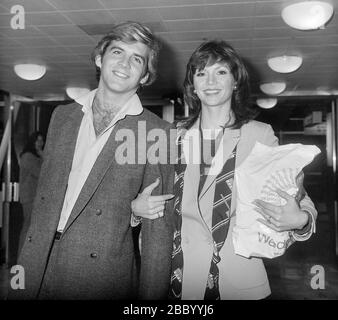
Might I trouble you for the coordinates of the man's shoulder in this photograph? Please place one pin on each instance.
(28, 157)
(154, 121)
(66, 108)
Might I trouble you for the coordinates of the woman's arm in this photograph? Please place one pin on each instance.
(298, 215)
(288, 217)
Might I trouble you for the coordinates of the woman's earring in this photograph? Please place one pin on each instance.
(235, 87)
(195, 91)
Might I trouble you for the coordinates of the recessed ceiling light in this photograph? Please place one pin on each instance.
(307, 15)
(266, 103)
(273, 88)
(30, 71)
(285, 64)
(76, 92)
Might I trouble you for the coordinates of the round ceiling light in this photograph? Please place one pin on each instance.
(285, 64)
(30, 71)
(273, 88)
(266, 103)
(76, 92)
(307, 15)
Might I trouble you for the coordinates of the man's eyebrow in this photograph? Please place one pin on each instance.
(115, 47)
(141, 57)
(135, 54)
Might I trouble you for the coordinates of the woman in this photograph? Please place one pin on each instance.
(30, 164)
(216, 88)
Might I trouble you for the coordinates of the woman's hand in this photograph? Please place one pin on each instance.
(148, 206)
(282, 218)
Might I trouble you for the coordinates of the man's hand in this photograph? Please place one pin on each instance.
(148, 206)
(282, 218)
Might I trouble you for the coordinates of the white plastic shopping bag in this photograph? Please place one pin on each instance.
(262, 172)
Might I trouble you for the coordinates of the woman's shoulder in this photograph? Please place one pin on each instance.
(258, 131)
(254, 125)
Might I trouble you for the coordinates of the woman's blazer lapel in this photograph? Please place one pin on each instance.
(191, 155)
(244, 147)
(226, 146)
(191, 150)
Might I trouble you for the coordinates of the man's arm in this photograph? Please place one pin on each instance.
(157, 237)
(157, 234)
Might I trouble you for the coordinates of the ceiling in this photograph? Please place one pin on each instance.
(62, 34)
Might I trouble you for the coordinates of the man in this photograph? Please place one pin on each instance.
(80, 244)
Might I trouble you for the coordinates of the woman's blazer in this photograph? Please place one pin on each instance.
(240, 277)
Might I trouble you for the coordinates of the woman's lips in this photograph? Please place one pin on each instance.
(211, 91)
